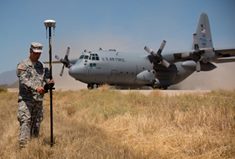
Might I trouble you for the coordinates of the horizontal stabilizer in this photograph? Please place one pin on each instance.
(225, 52)
(224, 60)
(224, 55)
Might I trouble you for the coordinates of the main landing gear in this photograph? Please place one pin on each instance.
(92, 85)
(159, 87)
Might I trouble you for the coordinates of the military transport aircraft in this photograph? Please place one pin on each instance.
(153, 69)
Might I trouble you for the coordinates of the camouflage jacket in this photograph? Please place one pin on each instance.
(31, 75)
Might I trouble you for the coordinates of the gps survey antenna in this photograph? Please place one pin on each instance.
(49, 24)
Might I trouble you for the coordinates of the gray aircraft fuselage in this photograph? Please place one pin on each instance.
(121, 69)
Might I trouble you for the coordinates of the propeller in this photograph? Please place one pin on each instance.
(198, 66)
(197, 56)
(156, 57)
(65, 61)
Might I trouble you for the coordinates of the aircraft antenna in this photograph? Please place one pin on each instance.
(49, 24)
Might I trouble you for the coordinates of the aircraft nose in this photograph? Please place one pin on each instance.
(72, 71)
(77, 72)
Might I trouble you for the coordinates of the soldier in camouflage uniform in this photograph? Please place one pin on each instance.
(32, 79)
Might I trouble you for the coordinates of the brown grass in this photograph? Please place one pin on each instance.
(108, 124)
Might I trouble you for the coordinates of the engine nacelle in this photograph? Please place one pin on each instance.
(146, 75)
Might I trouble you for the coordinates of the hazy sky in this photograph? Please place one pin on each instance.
(126, 25)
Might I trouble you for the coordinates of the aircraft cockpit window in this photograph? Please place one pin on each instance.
(86, 57)
(92, 64)
(81, 57)
(94, 57)
(97, 57)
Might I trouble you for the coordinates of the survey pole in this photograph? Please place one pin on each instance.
(50, 24)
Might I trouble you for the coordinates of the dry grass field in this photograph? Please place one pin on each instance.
(108, 124)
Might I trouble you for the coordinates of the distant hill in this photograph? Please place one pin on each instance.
(8, 77)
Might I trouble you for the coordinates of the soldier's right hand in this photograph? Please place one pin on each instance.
(40, 90)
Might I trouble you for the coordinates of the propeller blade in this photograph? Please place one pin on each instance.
(159, 53)
(57, 57)
(161, 47)
(147, 49)
(62, 71)
(165, 63)
(67, 52)
(198, 66)
(66, 58)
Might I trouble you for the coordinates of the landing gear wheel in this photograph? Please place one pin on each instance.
(164, 87)
(95, 86)
(159, 87)
(92, 86)
(154, 86)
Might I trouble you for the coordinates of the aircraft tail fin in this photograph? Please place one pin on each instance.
(202, 38)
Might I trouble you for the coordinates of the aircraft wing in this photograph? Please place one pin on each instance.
(224, 55)
(221, 56)
(72, 61)
(182, 56)
(53, 62)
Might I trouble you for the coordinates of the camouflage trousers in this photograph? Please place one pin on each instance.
(30, 115)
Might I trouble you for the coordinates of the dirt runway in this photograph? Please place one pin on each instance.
(168, 92)
(147, 92)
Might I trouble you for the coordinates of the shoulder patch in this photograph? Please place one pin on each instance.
(21, 67)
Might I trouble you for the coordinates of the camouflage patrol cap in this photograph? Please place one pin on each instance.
(36, 47)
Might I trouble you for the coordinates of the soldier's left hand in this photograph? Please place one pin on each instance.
(51, 83)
